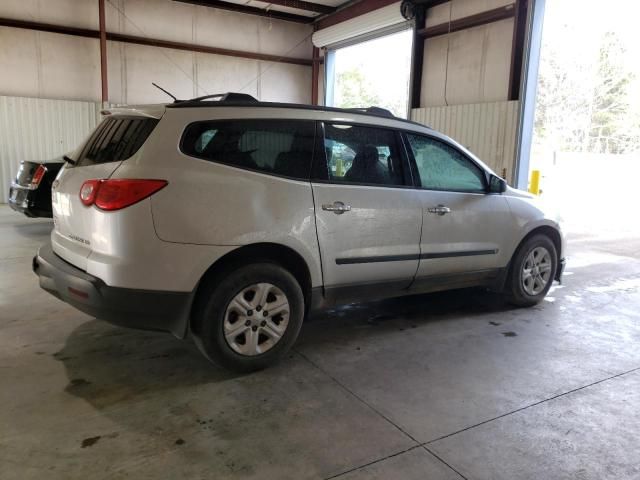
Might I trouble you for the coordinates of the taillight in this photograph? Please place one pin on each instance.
(38, 176)
(88, 191)
(118, 193)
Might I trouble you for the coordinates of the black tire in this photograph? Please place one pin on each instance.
(211, 307)
(515, 290)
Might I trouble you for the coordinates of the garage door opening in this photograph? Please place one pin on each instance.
(586, 141)
(372, 73)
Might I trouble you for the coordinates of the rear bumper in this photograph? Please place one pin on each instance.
(143, 309)
(25, 200)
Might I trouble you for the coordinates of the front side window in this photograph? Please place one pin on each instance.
(442, 167)
(280, 147)
(362, 155)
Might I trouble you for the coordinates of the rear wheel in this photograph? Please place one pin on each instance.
(533, 269)
(250, 317)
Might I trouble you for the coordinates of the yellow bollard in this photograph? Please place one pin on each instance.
(534, 184)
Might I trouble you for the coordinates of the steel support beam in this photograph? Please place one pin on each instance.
(531, 61)
(103, 52)
(352, 11)
(517, 48)
(484, 18)
(47, 27)
(190, 47)
(315, 75)
(120, 37)
(417, 57)
(302, 5)
(237, 7)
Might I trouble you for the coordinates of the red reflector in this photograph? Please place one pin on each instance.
(120, 193)
(79, 293)
(38, 176)
(88, 191)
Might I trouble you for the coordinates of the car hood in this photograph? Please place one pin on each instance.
(514, 192)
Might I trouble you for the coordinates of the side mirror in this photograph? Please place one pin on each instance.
(497, 185)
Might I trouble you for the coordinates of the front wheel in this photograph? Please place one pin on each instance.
(250, 318)
(533, 269)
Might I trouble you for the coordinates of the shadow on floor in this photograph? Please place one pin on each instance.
(413, 310)
(39, 229)
(107, 365)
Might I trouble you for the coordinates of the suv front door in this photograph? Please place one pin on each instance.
(465, 229)
(367, 215)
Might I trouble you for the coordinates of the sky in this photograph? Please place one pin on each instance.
(578, 26)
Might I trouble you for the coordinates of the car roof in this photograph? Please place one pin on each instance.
(375, 112)
(240, 100)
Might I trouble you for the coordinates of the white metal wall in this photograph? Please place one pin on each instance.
(40, 129)
(51, 65)
(487, 129)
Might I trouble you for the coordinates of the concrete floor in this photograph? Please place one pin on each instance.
(447, 386)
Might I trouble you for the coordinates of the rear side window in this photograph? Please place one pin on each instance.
(116, 139)
(279, 147)
(362, 155)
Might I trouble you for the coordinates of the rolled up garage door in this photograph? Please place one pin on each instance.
(379, 19)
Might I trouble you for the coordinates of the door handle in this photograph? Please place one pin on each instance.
(439, 210)
(336, 207)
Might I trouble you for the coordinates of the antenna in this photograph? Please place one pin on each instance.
(175, 99)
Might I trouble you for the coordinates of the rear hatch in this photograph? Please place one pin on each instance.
(116, 139)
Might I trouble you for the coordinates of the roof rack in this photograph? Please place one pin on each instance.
(243, 99)
(221, 98)
(381, 112)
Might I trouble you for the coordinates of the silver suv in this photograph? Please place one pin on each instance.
(229, 219)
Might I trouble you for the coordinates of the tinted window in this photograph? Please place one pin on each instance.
(115, 139)
(442, 167)
(365, 155)
(281, 147)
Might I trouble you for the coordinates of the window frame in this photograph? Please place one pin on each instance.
(249, 169)
(416, 172)
(320, 171)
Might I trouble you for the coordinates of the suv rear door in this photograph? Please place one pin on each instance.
(367, 216)
(465, 229)
(115, 139)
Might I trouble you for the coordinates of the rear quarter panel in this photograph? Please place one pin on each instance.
(207, 203)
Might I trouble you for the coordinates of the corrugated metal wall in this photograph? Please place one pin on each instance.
(40, 129)
(487, 129)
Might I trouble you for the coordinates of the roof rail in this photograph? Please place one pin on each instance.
(382, 112)
(221, 98)
(243, 100)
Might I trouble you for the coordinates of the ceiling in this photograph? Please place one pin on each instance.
(304, 11)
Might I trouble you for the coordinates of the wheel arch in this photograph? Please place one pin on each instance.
(548, 231)
(280, 254)
(552, 233)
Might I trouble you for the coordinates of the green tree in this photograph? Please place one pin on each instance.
(584, 102)
(353, 90)
(612, 128)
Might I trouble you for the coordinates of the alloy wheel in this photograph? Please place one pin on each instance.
(536, 271)
(256, 319)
